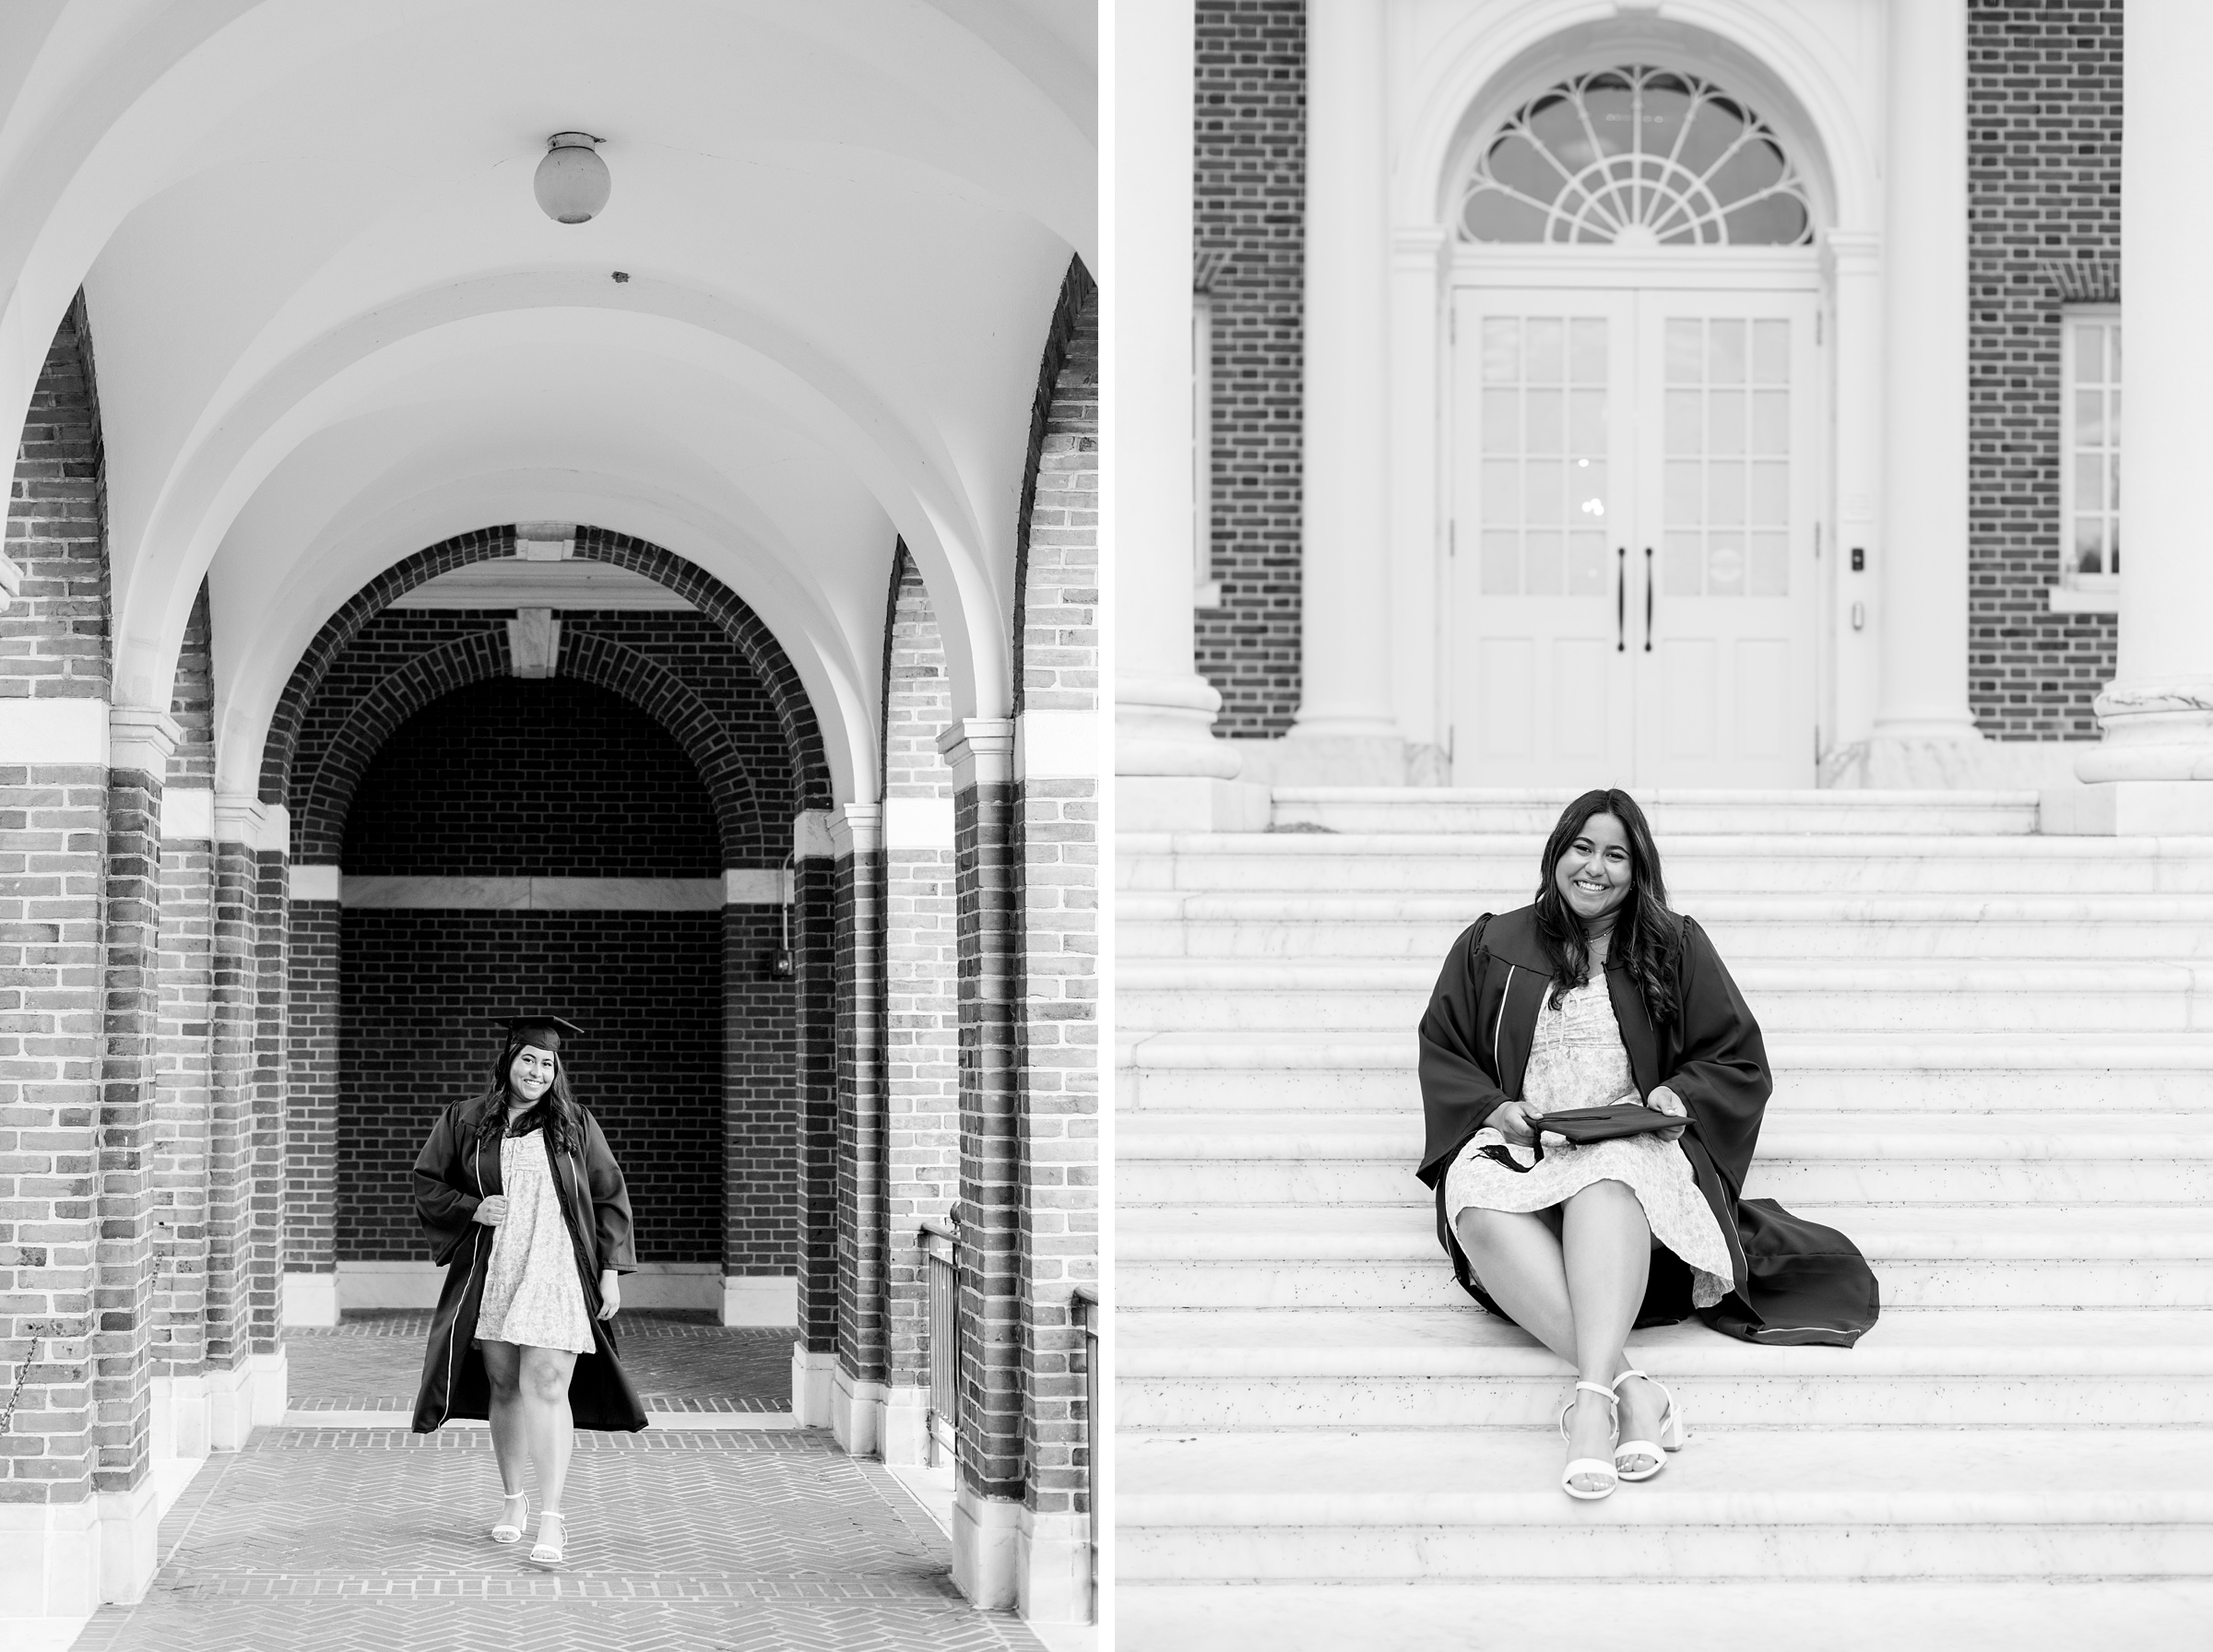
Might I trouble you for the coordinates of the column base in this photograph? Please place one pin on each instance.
(1052, 1568)
(252, 1394)
(1189, 803)
(811, 1377)
(2129, 809)
(983, 1549)
(311, 1299)
(178, 1423)
(905, 1437)
(1908, 763)
(1327, 759)
(50, 1558)
(768, 1302)
(857, 1414)
(129, 1523)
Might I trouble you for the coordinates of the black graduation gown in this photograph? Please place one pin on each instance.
(1796, 1281)
(453, 1176)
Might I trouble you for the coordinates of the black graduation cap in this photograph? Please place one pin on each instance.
(545, 1031)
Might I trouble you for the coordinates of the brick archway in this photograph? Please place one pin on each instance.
(754, 640)
(320, 832)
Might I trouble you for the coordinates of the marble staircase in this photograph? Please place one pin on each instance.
(1994, 1052)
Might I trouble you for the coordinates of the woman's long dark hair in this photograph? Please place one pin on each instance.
(555, 1112)
(1648, 937)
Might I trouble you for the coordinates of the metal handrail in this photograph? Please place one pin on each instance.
(1083, 1307)
(940, 1242)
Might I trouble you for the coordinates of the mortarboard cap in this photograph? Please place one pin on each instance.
(546, 1032)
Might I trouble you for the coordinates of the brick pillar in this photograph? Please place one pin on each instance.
(1058, 872)
(271, 862)
(182, 1052)
(123, 1300)
(760, 1116)
(857, 1398)
(815, 1347)
(922, 1053)
(244, 1188)
(311, 1157)
(988, 1494)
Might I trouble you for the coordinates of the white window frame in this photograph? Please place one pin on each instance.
(2078, 592)
(1206, 590)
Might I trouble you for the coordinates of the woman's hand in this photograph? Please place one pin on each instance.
(1664, 1100)
(1510, 1122)
(493, 1210)
(610, 1293)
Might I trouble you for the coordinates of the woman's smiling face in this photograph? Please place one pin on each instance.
(1593, 873)
(531, 1072)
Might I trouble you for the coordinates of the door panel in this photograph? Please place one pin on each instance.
(1634, 501)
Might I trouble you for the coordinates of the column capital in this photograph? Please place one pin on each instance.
(141, 739)
(265, 828)
(980, 751)
(856, 829)
(810, 837)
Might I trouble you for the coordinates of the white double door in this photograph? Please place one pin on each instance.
(1633, 582)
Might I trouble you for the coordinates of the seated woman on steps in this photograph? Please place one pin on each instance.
(1597, 994)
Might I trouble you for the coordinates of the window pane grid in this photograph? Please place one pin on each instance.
(2090, 416)
(1544, 481)
(1726, 486)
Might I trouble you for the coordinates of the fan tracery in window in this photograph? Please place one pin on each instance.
(1636, 156)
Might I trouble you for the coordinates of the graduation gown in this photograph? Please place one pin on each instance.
(1795, 1281)
(454, 1174)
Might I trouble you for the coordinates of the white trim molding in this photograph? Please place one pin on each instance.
(811, 835)
(188, 816)
(917, 822)
(1050, 744)
(54, 731)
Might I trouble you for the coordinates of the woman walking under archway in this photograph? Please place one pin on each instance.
(531, 1220)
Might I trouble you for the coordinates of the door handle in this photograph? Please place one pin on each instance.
(1621, 599)
(1647, 599)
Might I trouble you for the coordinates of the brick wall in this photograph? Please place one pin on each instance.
(2044, 205)
(922, 1069)
(180, 1106)
(53, 867)
(860, 1116)
(1250, 235)
(1057, 865)
(761, 1125)
(814, 931)
(544, 779)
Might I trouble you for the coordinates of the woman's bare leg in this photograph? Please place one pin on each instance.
(1519, 1257)
(502, 1367)
(552, 1428)
(1606, 1246)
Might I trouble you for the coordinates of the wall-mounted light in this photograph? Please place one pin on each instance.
(572, 183)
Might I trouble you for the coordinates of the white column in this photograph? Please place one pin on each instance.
(1168, 764)
(2153, 769)
(1923, 572)
(1346, 720)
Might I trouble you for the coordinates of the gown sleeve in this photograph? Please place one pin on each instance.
(610, 1201)
(444, 1210)
(1721, 1070)
(1459, 1092)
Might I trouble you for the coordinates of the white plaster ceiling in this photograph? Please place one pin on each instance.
(332, 326)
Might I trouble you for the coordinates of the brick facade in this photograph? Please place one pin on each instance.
(1249, 243)
(2044, 210)
(1058, 872)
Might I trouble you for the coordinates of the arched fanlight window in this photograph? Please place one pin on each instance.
(1637, 157)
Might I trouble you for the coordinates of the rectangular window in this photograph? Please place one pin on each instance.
(2089, 487)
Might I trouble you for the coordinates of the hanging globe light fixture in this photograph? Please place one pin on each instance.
(572, 183)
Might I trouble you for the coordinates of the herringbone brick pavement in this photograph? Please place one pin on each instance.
(677, 1361)
(331, 1539)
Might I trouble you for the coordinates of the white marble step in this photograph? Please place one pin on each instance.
(1903, 995)
(1799, 1503)
(1227, 1371)
(1696, 868)
(1354, 1072)
(1806, 1159)
(1387, 1258)
(1749, 813)
(1279, 923)
(2013, 1615)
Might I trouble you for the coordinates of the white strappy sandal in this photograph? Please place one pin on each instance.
(550, 1545)
(1592, 1467)
(505, 1530)
(1674, 1434)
